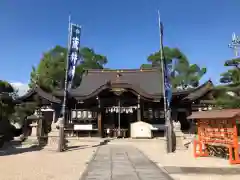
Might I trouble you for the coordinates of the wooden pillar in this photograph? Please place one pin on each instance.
(235, 139)
(99, 118)
(119, 118)
(139, 118)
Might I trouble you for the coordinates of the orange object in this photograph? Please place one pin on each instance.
(217, 127)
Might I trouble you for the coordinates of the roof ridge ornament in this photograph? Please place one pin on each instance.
(118, 91)
(119, 74)
(116, 79)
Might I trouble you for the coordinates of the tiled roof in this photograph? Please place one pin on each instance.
(41, 93)
(145, 82)
(148, 81)
(215, 114)
(200, 91)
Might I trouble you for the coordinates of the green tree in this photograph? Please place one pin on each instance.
(10, 110)
(228, 94)
(6, 109)
(184, 74)
(146, 66)
(50, 73)
(22, 111)
(232, 76)
(6, 100)
(8, 106)
(91, 60)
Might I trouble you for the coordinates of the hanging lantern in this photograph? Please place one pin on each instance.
(131, 110)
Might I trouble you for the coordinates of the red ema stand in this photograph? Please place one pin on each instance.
(217, 134)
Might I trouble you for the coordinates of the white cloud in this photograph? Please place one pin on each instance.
(21, 87)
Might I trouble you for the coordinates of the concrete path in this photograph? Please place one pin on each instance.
(115, 162)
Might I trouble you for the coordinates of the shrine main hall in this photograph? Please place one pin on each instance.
(125, 103)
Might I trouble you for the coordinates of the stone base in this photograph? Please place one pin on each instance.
(53, 141)
(184, 141)
(53, 137)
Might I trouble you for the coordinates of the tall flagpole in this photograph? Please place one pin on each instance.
(162, 63)
(61, 143)
(166, 110)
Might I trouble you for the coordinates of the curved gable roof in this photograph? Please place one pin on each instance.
(148, 81)
(200, 91)
(41, 93)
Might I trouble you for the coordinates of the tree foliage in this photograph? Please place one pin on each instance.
(6, 99)
(16, 113)
(22, 111)
(11, 113)
(232, 76)
(146, 66)
(229, 93)
(184, 74)
(50, 72)
(6, 109)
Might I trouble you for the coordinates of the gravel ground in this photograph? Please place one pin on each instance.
(27, 163)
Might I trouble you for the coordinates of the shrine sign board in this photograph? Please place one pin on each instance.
(83, 127)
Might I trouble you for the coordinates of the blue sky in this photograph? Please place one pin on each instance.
(126, 31)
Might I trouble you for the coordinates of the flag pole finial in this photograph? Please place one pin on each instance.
(159, 17)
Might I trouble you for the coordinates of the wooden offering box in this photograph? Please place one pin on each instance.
(217, 134)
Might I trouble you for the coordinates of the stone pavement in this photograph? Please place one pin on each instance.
(203, 170)
(119, 162)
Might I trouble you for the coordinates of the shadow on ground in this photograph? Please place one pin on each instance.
(72, 148)
(203, 170)
(15, 147)
(14, 150)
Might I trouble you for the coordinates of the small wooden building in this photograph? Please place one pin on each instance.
(217, 134)
(111, 100)
(47, 104)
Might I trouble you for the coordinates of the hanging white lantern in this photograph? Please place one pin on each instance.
(131, 110)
